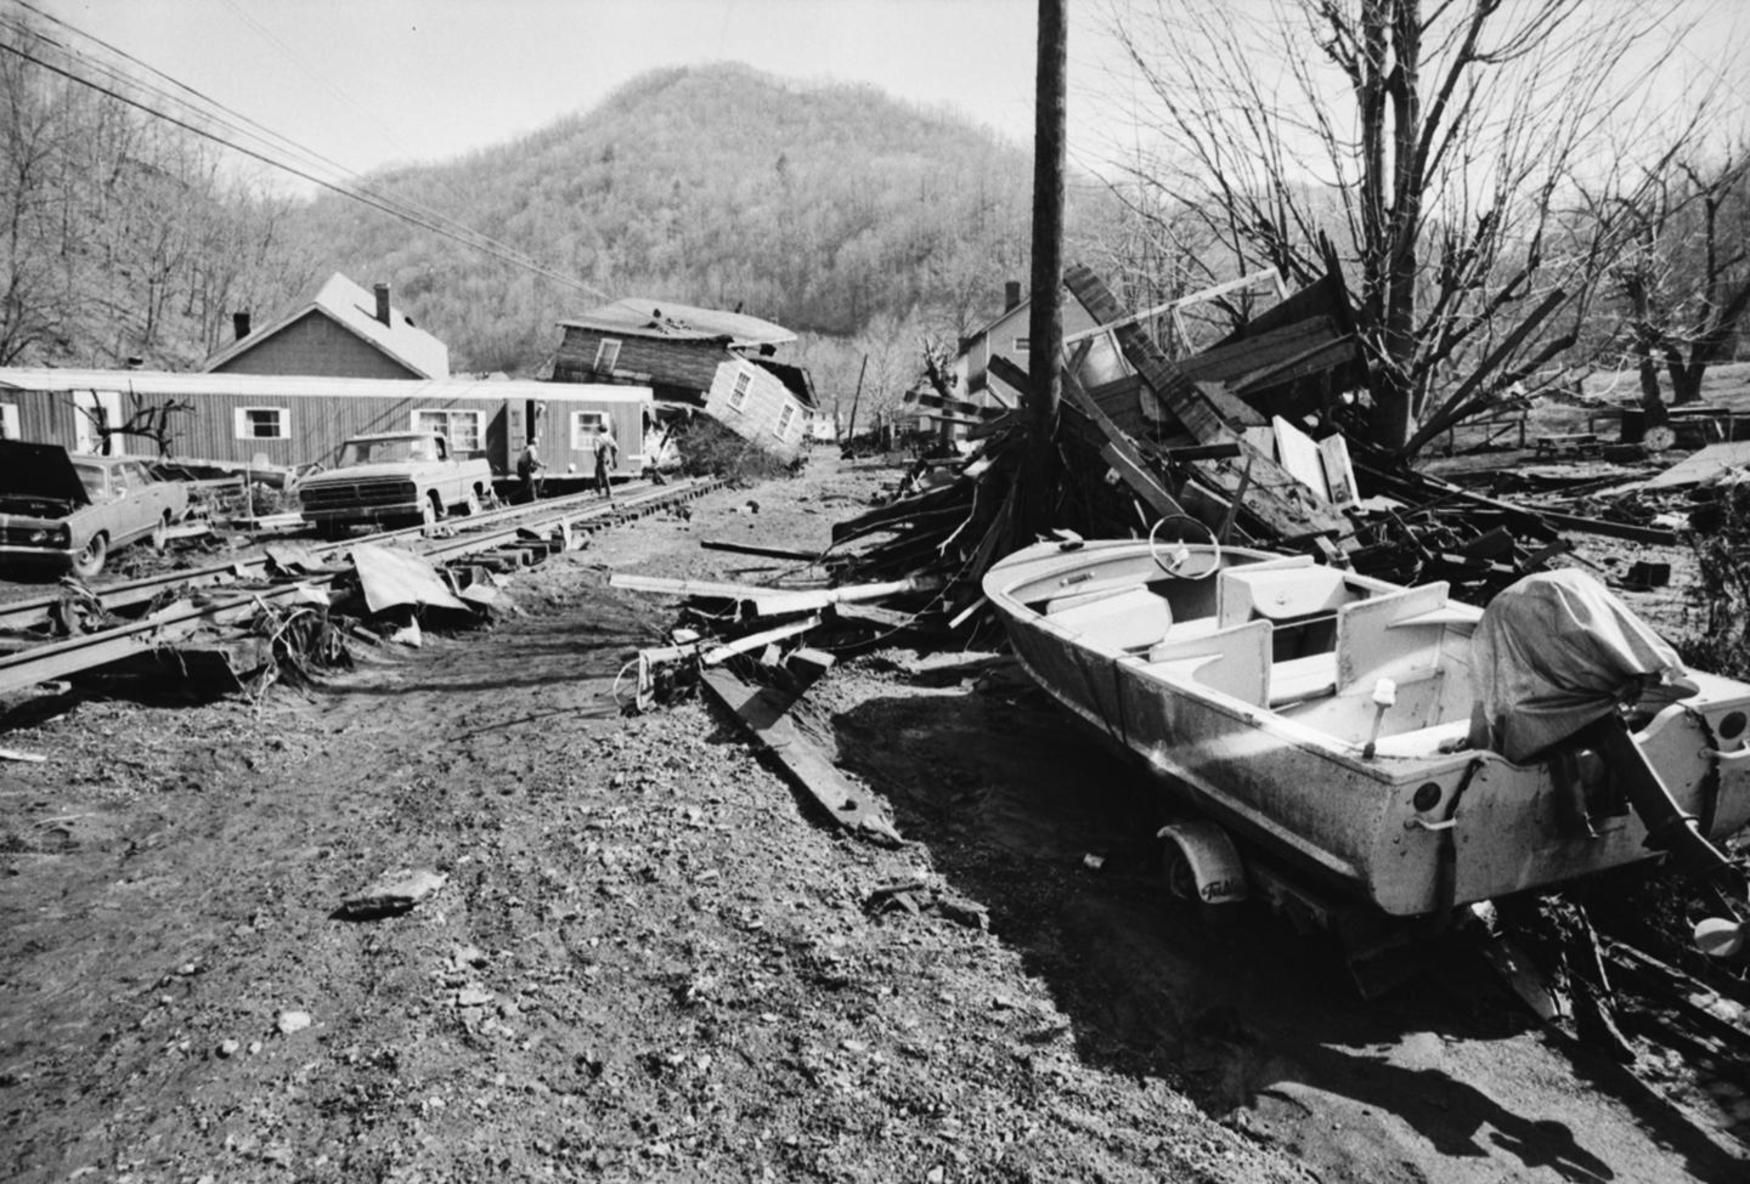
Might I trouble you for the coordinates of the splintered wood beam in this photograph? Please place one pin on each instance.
(764, 712)
(755, 549)
(1209, 419)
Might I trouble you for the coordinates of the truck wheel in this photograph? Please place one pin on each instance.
(431, 511)
(473, 506)
(89, 560)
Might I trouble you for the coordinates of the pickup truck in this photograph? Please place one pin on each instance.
(394, 477)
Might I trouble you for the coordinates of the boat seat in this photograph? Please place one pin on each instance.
(1397, 634)
(1296, 680)
(1234, 661)
(1282, 593)
(1125, 619)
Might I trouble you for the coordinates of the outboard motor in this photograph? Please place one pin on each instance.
(1557, 659)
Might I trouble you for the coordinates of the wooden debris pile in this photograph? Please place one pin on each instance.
(1142, 445)
(755, 650)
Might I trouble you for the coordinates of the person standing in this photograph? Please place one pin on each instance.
(528, 468)
(607, 451)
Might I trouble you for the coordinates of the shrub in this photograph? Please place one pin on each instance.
(708, 449)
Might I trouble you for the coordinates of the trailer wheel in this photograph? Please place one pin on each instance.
(1202, 868)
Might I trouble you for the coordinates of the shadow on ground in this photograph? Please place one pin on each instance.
(1010, 794)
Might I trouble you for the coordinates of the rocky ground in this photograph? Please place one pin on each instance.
(650, 959)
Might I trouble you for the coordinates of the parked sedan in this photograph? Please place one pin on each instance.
(72, 511)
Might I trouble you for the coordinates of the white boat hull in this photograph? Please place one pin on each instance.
(1415, 824)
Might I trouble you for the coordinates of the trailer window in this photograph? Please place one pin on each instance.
(585, 427)
(738, 396)
(263, 423)
(8, 421)
(465, 430)
(784, 419)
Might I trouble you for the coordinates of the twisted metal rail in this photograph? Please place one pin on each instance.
(451, 539)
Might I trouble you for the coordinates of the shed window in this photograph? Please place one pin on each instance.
(263, 423)
(1021, 345)
(8, 421)
(785, 418)
(607, 356)
(465, 430)
(585, 427)
(738, 396)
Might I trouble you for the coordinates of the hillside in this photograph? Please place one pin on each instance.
(822, 207)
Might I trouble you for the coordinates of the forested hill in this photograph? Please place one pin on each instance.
(822, 207)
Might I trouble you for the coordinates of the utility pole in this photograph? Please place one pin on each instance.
(851, 431)
(1045, 323)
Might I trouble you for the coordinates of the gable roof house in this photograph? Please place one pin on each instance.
(720, 363)
(345, 332)
(976, 393)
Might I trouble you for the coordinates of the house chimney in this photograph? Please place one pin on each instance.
(383, 304)
(1011, 295)
(240, 325)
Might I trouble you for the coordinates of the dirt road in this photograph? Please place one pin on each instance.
(650, 961)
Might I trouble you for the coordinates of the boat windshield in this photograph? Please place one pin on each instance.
(376, 452)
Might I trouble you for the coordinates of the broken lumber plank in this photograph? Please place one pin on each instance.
(871, 614)
(709, 589)
(1208, 416)
(764, 602)
(765, 714)
(757, 549)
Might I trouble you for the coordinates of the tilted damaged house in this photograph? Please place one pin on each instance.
(720, 363)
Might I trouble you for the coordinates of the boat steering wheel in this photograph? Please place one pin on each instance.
(1173, 561)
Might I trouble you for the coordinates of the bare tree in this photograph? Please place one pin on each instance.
(1685, 285)
(1429, 140)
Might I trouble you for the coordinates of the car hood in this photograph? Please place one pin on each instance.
(40, 470)
(400, 468)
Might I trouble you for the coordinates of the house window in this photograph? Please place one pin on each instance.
(585, 427)
(1020, 345)
(8, 421)
(738, 396)
(465, 430)
(785, 417)
(263, 423)
(607, 356)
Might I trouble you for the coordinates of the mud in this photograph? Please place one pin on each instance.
(650, 960)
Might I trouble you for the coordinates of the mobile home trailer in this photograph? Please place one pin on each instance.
(290, 421)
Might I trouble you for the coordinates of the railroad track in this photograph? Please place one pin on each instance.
(453, 539)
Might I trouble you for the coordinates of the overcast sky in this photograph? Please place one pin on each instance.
(370, 82)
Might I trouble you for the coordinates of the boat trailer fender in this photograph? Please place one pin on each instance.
(1212, 858)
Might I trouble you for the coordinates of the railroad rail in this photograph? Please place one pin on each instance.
(451, 539)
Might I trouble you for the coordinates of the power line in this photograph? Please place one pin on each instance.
(271, 154)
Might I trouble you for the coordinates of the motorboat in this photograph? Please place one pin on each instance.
(1378, 744)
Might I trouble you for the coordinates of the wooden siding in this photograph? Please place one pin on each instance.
(757, 417)
(691, 365)
(315, 345)
(999, 339)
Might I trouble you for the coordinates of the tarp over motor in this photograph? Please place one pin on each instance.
(1555, 652)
